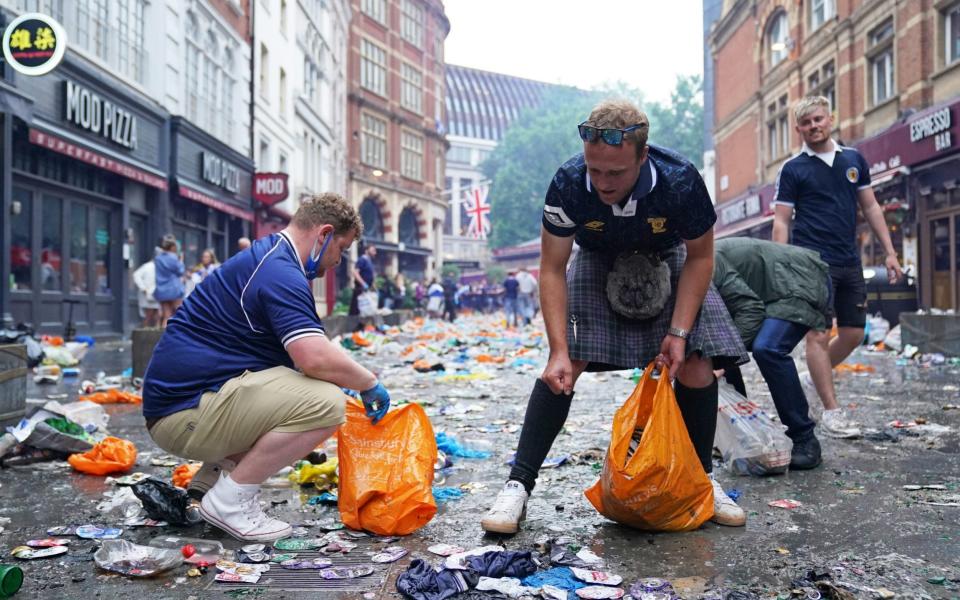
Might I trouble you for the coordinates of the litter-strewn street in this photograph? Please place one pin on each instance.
(879, 518)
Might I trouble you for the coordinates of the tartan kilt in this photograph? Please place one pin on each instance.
(610, 341)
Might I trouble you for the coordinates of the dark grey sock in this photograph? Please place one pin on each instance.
(699, 409)
(545, 416)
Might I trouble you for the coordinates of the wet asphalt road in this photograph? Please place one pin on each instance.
(856, 522)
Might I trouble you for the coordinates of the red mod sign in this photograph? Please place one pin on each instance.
(270, 188)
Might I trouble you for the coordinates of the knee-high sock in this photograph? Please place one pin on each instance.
(546, 414)
(699, 409)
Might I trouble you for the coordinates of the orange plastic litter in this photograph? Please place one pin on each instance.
(112, 455)
(113, 396)
(854, 368)
(183, 475)
(359, 340)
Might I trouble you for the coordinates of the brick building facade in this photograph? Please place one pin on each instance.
(891, 68)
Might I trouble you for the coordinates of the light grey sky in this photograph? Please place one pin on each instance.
(645, 43)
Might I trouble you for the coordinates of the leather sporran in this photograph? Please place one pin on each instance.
(638, 285)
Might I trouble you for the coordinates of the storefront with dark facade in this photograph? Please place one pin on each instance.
(748, 215)
(211, 193)
(915, 166)
(84, 166)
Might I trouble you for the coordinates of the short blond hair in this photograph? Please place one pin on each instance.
(620, 114)
(328, 209)
(807, 105)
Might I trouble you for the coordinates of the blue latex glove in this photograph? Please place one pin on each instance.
(376, 401)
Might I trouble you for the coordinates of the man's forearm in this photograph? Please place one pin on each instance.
(553, 304)
(691, 289)
(874, 218)
(779, 232)
(336, 367)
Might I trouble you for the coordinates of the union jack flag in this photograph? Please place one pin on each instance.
(479, 212)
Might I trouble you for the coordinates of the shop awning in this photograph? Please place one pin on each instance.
(198, 196)
(744, 225)
(885, 177)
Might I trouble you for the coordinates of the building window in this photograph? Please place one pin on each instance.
(778, 129)
(951, 37)
(880, 57)
(110, 30)
(264, 72)
(210, 82)
(822, 82)
(282, 163)
(438, 171)
(227, 85)
(411, 155)
(264, 162)
(458, 154)
(210, 85)
(821, 11)
(283, 17)
(191, 67)
(373, 67)
(283, 94)
(376, 10)
(373, 141)
(411, 90)
(411, 23)
(778, 38)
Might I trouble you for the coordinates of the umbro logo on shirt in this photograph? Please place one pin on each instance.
(595, 226)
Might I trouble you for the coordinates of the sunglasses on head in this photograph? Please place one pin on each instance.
(610, 135)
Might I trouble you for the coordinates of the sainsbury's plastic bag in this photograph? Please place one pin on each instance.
(661, 486)
(386, 470)
(750, 441)
(112, 455)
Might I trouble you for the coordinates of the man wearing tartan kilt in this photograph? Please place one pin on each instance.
(625, 203)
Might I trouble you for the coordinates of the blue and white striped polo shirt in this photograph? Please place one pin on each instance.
(240, 318)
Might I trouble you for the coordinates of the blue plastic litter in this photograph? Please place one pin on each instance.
(561, 577)
(85, 339)
(324, 498)
(734, 494)
(128, 372)
(445, 494)
(449, 446)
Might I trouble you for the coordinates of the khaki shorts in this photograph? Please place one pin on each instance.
(231, 420)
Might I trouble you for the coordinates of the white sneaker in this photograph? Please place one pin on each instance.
(235, 508)
(836, 424)
(725, 510)
(208, 476)
(508, 509)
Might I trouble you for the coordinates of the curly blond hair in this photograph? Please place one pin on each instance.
(328, 209)
(620, 114)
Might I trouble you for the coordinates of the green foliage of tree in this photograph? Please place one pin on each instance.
(450, 270)
(541, 139)
(496, 273)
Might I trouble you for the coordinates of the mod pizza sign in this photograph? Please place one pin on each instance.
(270, 188)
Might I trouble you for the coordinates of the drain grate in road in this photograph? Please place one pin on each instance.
(278, 578)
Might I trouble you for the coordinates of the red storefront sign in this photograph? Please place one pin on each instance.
(57, 144)
(924, 136)
(270, 188)
(198, 196)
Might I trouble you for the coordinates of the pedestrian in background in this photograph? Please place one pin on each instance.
(169, 269)
(364, 275)
(145, 278)
(510, 294)
(207, 265)
(434, 299)
(773, 313)
(449, 298)
(526, 294)
(819, 190)
(627, 204)
(243, 244)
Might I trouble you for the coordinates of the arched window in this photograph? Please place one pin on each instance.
(778, 38)
(372, 220)
(409, 233)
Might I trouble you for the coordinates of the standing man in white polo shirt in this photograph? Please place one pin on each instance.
(820, 189)
(245, 379)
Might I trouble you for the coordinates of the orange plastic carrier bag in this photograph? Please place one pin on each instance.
(386, 470)
(112, 455)
(662, 486)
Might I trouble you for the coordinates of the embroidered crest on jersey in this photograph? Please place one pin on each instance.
(658, 224)
(853, 174)
(595, 226)
(556, 216)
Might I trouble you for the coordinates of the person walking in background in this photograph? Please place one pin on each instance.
(434, 299)
(449, 298)
(145, 278)
(364, 275)
(208, 264)
(169, 269)
(526, 294)
(820, 189)
(510, 293)
(243, 244)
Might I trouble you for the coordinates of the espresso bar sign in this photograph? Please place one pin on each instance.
(220, 173)
(89, 111)
(936, 126)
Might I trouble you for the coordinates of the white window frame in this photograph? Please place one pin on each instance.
(264, 72)
(411, 155)
(821, 11)
(951, 45)
(373, 140)
(411, 88)
(376, 10)
(411, 22)
(373, 67)
(881, 63)
(780, 27)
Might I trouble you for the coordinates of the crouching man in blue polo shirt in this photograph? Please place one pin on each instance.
(244, 378)
(821, 188)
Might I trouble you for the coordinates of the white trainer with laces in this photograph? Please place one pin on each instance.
(208, 476)
(235, 508)
(725, 511)
(835, 423)
(508, 509)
